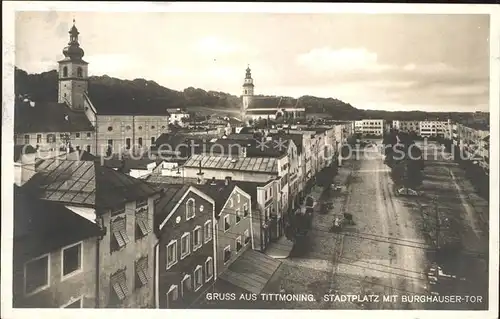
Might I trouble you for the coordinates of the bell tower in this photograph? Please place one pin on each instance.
(73, 73)
(247, 94)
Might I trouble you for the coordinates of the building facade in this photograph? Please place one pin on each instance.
(186, 262)
(122, 206)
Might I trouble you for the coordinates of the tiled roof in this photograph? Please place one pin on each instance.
(254, 148)
(86, 183)
(288, 102)
(264, 103)
(43, 226)
(219, 192)
(21, 150)
(49, 117)
(174, 180)
(258, 165)
(296, 138)
(170, 197)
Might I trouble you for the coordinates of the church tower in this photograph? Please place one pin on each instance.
(247, 92)
(73, 73)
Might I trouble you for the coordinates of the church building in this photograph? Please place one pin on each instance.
(254, 108)
(108, 123)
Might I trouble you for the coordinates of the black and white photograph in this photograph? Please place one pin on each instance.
(251, 156)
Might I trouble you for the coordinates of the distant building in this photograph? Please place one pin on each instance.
(87, 119)
(406, 126)
(177, 117)
(370, 127)
(256, 108)
(434, 128)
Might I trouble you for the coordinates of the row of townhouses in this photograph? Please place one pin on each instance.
(89, 236)
(473, 141)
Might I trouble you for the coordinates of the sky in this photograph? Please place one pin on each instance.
(428, 62)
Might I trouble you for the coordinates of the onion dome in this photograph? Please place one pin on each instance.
(73, 50)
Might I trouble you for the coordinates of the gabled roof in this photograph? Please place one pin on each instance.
(49, 117)
(258, 102)
(42, 226)
(267, 165)
(110, 101)
(251, 188)
(296, 138)
(170, 197)
(86, 183)
(219, 191)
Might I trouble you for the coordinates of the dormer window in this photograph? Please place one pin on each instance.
(190, 208)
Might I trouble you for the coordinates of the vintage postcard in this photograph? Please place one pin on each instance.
(250, 156)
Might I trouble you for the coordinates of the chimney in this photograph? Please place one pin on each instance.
(228, 180)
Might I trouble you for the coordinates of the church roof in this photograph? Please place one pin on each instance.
(264, 103)
(48, 117)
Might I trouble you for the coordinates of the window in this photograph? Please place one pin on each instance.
(227, 225)
(238, 244)
(142, 272)
(26, 139)
(186, 285)
(36, 274)
(172, 295)
(190, 209)
(171, 253)
(140, 141)
(119, 285)
(238, 216)
(238, 198)
(88, 148)
(127, 142)
(74, 304)
(152, 127)
(71, 259)
(185, 245)
(152, 140)
(231, 202)
(65, 71)
(77, 135)
(39, 138)
(209, 269)
(142, 227)
(140, 127)
(89, 135)
(227, 253)
(51, 138)
(207, 231)
(79, 72)
(198, 278)
(197, 238)
(247, 236)
(120, 238)
(245, 210)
